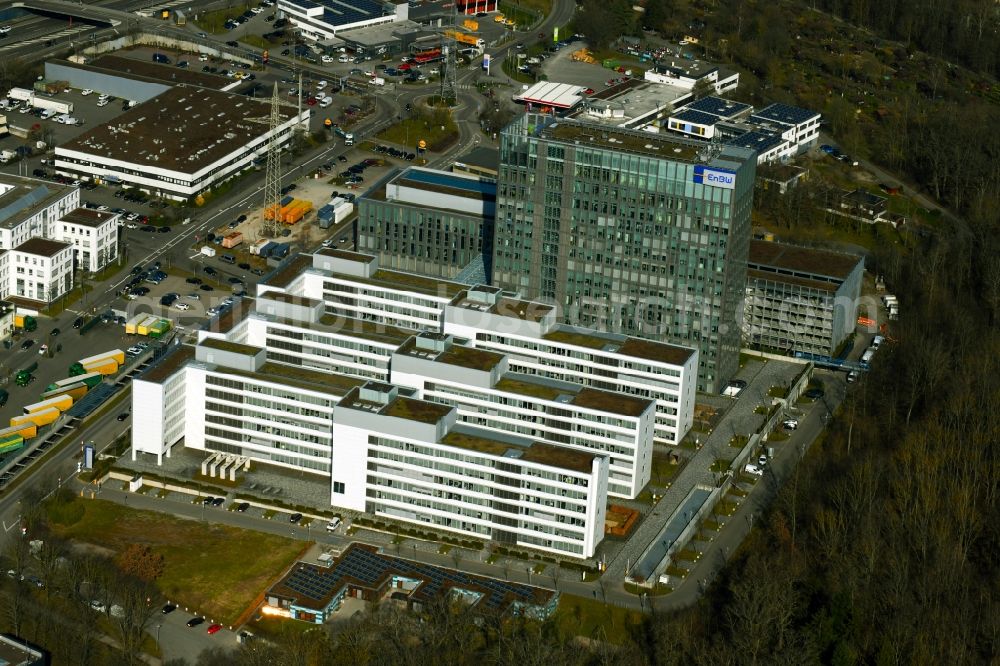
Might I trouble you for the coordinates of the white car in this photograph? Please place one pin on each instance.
(133, 351)
(213, 311)
(753, 469)
(182, 306)
(4, 29)
(328, 242)
(102, 102)
(790, 424)
(321, 85)
(86, 91)
(203, 58)
(131, 225)
(333, 525)
(327, 59)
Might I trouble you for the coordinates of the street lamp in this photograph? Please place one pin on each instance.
(158, 633)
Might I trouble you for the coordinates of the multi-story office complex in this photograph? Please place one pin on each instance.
(800, 299)
(628, 232)
(31, 208)
(350, 285)
(537, 344)
(413, 460)
(39, 271)
(480, 384)
(384, 451)
(430, 222)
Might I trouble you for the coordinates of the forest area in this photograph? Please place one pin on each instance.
(882, 547)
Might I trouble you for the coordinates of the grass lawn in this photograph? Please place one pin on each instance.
(579, 616)
(408, 132)
(720, 465)
(256, 40)
(206, 565)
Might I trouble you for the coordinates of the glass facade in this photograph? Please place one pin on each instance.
(625, 240)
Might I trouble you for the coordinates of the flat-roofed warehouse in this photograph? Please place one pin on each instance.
(180, 143)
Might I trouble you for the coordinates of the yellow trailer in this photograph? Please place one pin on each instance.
(26, 430)
(40, 418)
(108, 366)
(133, 324)
(143, 328)
(116, 354)
(62, 403)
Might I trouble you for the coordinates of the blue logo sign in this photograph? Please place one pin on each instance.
(715, 177)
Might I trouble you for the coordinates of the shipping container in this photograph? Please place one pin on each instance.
(268, 247)
(26, 430)
(62, 403)
(117, 354)
(76, 379)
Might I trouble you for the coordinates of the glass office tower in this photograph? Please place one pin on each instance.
(628, 231)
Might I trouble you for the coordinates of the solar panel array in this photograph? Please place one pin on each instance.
(370, 568)
(759, 141)
(691, 116)
(717, 106)
(784, 113)
(344, 13)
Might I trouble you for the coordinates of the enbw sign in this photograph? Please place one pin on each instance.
(715, 177)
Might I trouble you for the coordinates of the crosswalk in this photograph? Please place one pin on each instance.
(54, 36)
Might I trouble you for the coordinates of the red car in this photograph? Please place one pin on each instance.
(311, 101)
(404, 67)
(589, 91)
(214, 629)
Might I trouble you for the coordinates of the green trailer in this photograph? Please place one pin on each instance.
(11, 443)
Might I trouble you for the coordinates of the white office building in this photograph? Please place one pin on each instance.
(180, 143)
(384, 451)
(536, 344)
(479, 383)
(413, 460)
(32, 208)
(93, 235)
(320, 20)
(39, 271)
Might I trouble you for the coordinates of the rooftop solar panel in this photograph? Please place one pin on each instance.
(759, 141)
(786, 114)
(718, 106)
(698, 117)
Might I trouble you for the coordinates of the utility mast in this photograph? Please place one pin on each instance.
(272, 180)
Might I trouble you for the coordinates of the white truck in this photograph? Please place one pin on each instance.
(348, 137)
(7, 156)
(208, 251)
(56, 105)
(21, 94)
(378, 81)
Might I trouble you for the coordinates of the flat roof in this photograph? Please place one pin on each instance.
(183, 129)
(341, 12)
(517, 448)
(572, 394)
(772, 276)
(718, 106)
(22, 197)
(680, 66)
(43, 247)
(446, 182)
(298, 377)
(87, 217)
(232, 347)
(376, 35)
(622, 140)
(169, 364)
(400, 407)
(802, 261)
(692, 116)
(559, 456)
(289, 271)
(533, 311)
(620, 344)
(154, 71)
(550, 93)
(785, 114)
(364, 566)
(458, 355)
(758, 140)
(401, 281)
